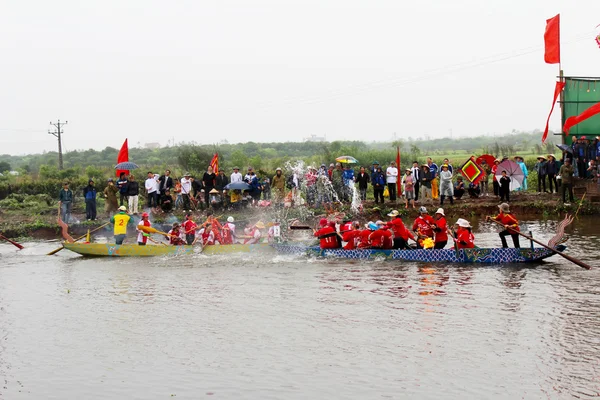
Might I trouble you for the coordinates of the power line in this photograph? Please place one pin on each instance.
(58, 133)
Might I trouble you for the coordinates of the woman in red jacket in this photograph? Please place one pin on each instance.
(464, 236)
(440, 228)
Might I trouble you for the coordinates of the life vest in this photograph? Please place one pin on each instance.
(121, 220)
(141, 238)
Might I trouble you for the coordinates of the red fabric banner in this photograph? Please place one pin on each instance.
(572, 121)
(214, 163)
(552, 40)
(399, 180)
(122, 157)
(557, 89)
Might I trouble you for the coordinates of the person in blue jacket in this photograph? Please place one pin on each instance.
(89, 194)
(378, 182)
(348, 177)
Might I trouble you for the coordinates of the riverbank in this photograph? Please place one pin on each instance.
(41, 224)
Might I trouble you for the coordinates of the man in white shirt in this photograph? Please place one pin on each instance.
(236, 176)
(152, 190)
(186, 190)
(391, 179)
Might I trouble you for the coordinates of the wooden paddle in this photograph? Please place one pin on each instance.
(455, 242)
(305, 227)
(149, 229)
(11, 242)
(78, 239)
(572, 259)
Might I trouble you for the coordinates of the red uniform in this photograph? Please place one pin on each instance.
(189, 227)
(345, 228)
(400, 230)
(382, 238)
(208, 238)
(464, 239)
(328, 237)
(175, 237)
(422, 223)
(226, 235)
(510, 220)
(363, 239)
(441, 235)
(352, 238)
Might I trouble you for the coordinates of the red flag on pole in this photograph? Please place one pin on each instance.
(557, 89)
(399, 180)
(552, 40)
(122, 157)
(214, 163)
(574, 120)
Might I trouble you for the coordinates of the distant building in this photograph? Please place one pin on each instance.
(152, 146)
(315, 138)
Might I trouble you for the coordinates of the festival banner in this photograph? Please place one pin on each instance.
(552, 40)
(214, 163)
(574, 120)
(122, 157)
(557, 89)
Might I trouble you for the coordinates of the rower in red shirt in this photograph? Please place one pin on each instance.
(464, 236)
(422, 226)
(381, 237)
(401, 233)
(511, 225)
(351, 236)
(327, 235)
(440, 227)
(363, 239)
(345, 227)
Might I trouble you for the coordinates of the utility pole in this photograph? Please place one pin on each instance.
(57, 133)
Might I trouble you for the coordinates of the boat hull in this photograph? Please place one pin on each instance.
(238, 248)
(128, 250)
(477, 255)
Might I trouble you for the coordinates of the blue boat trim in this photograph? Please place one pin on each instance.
(477, 255)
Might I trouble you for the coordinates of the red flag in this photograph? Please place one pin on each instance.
(214, 163)
(399, 180)
(557, 89)
(122, 157)
(552, 40)
(572, 121)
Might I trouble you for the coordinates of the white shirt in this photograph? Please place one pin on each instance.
(392, 174)
(186, 186)
(235, 177)
(151, 185)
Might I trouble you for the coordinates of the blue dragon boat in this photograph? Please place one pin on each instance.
(466, 256)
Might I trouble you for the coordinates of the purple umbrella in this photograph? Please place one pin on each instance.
(514, 172)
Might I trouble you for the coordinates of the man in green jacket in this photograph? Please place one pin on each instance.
(566, 175)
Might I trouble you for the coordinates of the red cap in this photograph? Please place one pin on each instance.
(583, 137)
(323, 221)
(332, 224)
(145, 215)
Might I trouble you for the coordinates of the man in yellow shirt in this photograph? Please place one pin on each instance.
(121, 220)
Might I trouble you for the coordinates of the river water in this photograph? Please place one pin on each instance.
(278, 327)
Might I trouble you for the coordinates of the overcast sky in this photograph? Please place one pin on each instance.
(280, 70)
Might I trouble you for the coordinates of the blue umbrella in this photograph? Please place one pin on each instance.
(565, 147)
(126, 166)
(238, 185)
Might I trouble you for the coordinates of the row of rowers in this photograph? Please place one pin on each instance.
(427, 232)
(209, 232)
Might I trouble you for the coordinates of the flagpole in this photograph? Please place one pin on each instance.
(562, 108)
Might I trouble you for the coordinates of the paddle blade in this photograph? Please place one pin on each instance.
(55, 251)
(147, 229)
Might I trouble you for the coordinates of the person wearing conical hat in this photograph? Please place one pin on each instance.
(463, 234)
(541, 169)
(511, 225)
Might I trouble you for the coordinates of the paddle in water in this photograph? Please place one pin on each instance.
(572, 259)
(11, 242)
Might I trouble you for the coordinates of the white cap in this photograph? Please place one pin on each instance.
(230, 219)
(440, 211)
(463, 223)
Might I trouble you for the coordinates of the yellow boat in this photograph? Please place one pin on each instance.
(128, 250)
